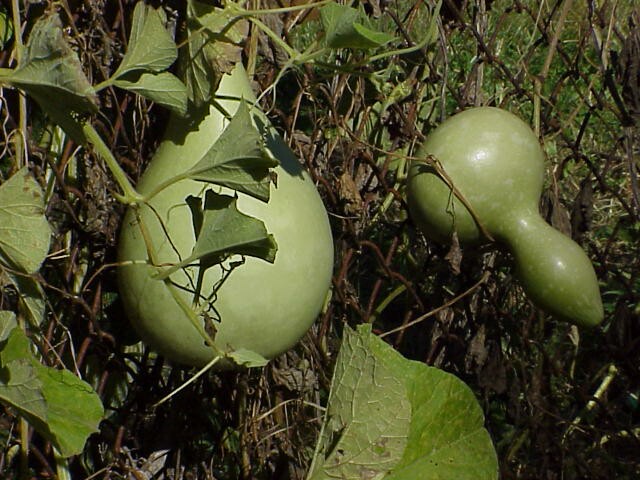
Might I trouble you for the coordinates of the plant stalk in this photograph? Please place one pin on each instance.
(129, 195)
(20, 140)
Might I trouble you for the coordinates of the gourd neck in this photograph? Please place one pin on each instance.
(554, 270)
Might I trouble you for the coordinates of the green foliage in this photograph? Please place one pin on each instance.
(549, 402)
(51, 73)
(150, 53)
(344, 28)
(388, 417)
(6, 28)
(24, 231)
(221, 229)
(212, 47)
(238, 159)
(150, 48)
(58, 404)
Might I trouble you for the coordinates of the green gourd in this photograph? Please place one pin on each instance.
(494, 161)
(262, 307)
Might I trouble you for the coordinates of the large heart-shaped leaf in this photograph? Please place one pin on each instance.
(395, 419)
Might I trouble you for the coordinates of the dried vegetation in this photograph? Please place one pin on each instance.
(559, 402)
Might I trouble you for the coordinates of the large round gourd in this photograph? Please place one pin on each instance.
(495, 162)
(261, 307)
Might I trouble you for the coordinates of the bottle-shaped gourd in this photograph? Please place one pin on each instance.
(492, 159)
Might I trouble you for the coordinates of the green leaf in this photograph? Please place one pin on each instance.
(24, 231)
(432, 419)
(151, 47)
(224, 230)
(368, 414)
(21, 388)
(59, 405)
(52, 74)
(163, 88)
(214, 48)
(238, 159)
(7, 323)
(74, 410)
(344, 29)
(31, 297)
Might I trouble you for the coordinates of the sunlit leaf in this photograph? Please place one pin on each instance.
(163, 88)
(151, 47)
(225, 231)
(392, 418)
(368, 414)
(7, 323)
(238, 159)
(248, 358)
(344, 28)
(51, 73)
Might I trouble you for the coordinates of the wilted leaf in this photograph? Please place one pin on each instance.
(59, 405)
(238, 159)
(24, 231)
(214, 48)
(151, 47)
(432, 419)
(163, 88)
(344, 28)
(52, 74)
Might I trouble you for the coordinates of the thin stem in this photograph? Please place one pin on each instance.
(104, 84)
(431, 313)
(184, 306)
(62, 466)
(166, 184)
(20, 139)
(24, 448)
(386, 301)
(292, 8)
(418, 46)
(201, 372)
(542, 76)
